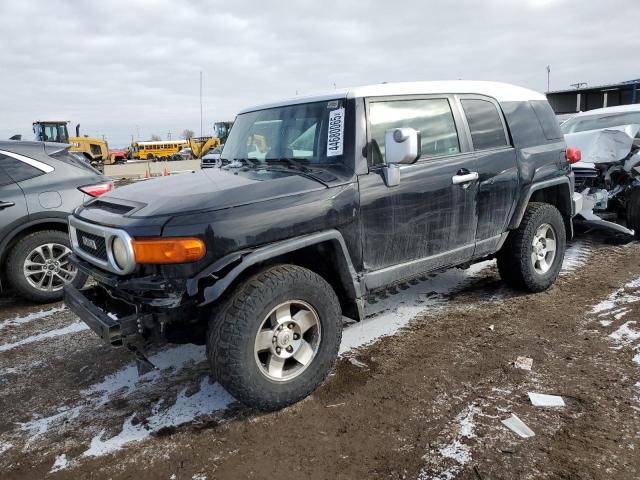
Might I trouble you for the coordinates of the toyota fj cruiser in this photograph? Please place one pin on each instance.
(316, 203)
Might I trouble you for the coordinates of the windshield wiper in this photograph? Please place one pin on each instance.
(238, 162)
(291, 163)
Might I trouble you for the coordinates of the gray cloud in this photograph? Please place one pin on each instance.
(114, 65)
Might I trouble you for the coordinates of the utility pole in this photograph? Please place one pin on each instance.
(132, 139)
(169, 134)
(548, 77)
(138, 132)
(200, 103)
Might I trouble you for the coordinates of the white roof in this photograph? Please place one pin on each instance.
(605, 110)
(502, 92)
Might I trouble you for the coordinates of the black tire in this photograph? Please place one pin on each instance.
(18, 256)
(515, 264)
(234, 328)
(633, 212)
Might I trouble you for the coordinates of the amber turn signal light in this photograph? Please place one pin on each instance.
(168, 250)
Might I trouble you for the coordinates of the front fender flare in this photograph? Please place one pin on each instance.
(238, 262)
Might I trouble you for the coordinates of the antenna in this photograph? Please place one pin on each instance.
(200, 103)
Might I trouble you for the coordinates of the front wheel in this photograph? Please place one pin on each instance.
(276, 338)
(532, 256)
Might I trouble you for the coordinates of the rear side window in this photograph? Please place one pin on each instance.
(485, 124)
(547, 119)
(17, 170)
(4, 178)
(76, 159)
(432, 118)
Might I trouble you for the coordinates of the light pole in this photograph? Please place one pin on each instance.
(548, 77)
(200, 103)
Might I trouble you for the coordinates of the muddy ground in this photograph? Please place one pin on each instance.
(419, 391)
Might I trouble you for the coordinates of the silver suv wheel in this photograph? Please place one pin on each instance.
(543, 248)
(287, 341)
(47, 267)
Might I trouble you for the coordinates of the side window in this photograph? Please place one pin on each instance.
(432, 118)
(17, 170)
(547, 119)
(485, 124)
(4, 178)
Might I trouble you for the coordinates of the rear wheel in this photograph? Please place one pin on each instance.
(276, 338)
(532, 256)
(38, 266)
(633, 212)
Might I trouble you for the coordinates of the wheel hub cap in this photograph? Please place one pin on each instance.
(287, 341)
(47, 267)
(543, 248)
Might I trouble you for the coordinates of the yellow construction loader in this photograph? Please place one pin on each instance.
(95, 150)
(201, 145)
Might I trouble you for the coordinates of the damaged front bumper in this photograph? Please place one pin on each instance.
(91, 306)
(124, 310)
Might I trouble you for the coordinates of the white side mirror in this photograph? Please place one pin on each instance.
(402, 145)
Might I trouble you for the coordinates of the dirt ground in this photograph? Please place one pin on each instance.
(419, 391)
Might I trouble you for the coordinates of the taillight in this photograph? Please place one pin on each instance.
(97, 189)
(573, 155)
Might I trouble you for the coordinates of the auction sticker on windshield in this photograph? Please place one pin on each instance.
(335, 132)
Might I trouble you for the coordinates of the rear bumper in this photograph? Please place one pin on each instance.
(91, 305)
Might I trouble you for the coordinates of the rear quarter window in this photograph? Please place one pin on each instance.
(485, 124)
(17, 170)
(547, 119)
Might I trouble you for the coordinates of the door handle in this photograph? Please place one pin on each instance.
(4, 205)
(465, 178)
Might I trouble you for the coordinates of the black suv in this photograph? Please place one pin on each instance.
(317, 203)
(40, 185)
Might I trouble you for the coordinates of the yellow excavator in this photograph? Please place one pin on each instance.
(95, 150)
(201, 145)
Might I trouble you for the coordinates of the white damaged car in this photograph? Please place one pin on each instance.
(608, 172)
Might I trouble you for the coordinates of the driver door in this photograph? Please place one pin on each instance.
(428, 220)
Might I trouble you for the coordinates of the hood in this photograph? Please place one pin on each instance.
(607, 145)
(208, 190)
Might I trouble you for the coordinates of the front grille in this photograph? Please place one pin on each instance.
(87, 242)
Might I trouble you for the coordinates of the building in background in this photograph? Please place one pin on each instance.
(586, 98)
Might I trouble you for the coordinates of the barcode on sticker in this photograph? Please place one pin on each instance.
(335, 132)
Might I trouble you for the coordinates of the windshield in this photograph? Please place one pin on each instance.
(596, 122)
(310, 132)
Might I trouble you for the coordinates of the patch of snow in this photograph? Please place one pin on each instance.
(576, 256)
(210, 398)
(41, 426)
(73, 328)
(387, 316)
(60, 464)
(14, 322)
(618, 297)
(4, 446)
(126, 380)
(457, 451)
(625, 335)
(199, 476)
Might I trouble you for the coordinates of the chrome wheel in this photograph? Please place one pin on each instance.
(47, 267)
(544, 248)
(287, 341)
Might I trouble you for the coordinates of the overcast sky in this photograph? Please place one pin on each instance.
(120, 67)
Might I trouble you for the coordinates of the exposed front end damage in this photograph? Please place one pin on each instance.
(607, 176)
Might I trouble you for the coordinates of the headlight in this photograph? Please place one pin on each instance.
(121, 254)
